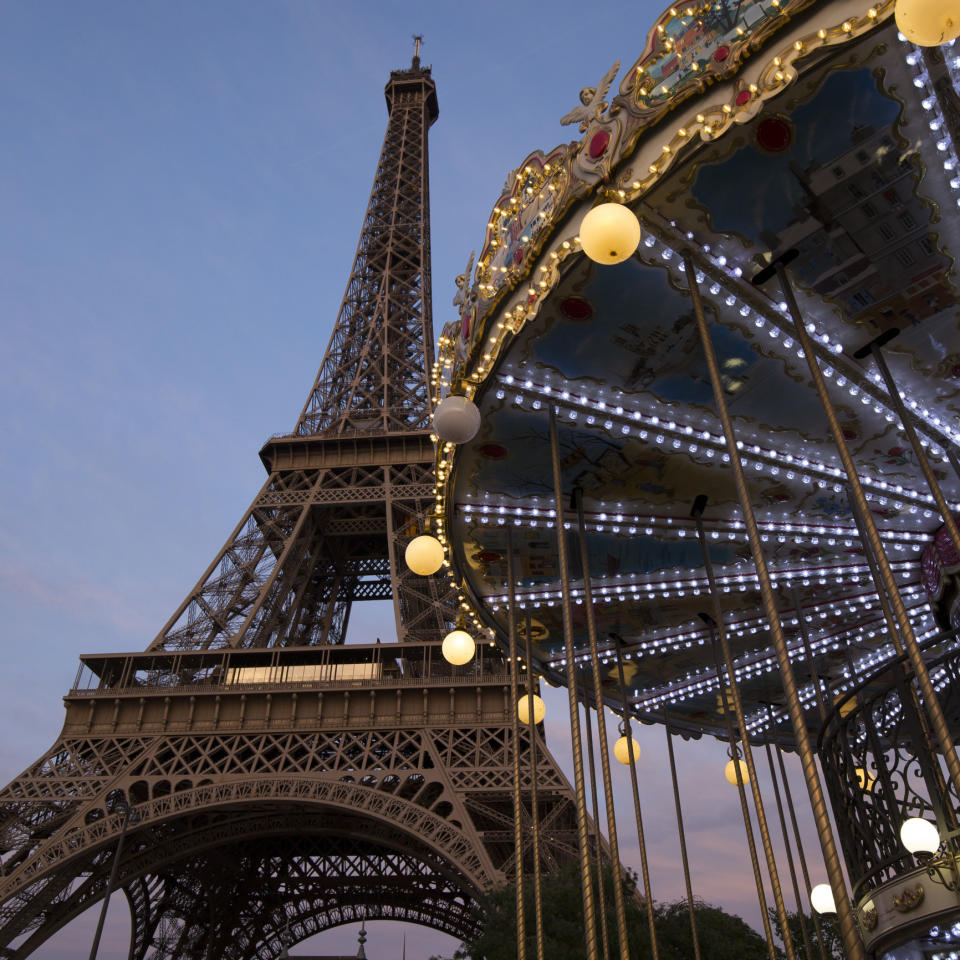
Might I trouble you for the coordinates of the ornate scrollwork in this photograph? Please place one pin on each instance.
(910, 899)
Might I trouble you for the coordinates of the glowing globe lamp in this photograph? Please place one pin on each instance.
(458, 647)
(621, 750)
(919, 836)
(424, 555)
(609, 233)
(456, 420)
(821, 899)
(730, 772)
(928, 23)
(539, 709)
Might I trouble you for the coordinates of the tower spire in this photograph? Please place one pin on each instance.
(375, 375)
(417, 40)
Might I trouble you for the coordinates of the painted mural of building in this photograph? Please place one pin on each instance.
(864, 235)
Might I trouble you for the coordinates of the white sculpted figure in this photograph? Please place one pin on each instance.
(592, 101)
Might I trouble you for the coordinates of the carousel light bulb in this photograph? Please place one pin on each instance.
(456, 420)
(928, 23)
(621, 750)
(458, 647)
(609, 233)
(424, 555)
(539, 709)
(821, 899)
(730, 772)
(919, 835)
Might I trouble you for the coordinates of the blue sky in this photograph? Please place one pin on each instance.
(181, 190)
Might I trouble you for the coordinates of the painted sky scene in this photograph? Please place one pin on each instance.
(182, 186)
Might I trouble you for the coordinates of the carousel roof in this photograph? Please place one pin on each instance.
(743, 129)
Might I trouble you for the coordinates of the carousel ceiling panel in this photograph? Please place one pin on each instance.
(852, 163)
(616, 351)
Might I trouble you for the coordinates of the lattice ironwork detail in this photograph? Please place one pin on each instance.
(373, 377)
(880, 769)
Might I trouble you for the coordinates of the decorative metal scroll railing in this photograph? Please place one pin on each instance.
(881, 766)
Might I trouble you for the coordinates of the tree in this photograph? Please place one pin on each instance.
(832, 941)
(722, 936)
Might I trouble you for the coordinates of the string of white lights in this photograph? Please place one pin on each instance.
(616, 522)
(621, 422)
(755, 663)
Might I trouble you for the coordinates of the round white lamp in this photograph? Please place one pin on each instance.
(928, 23)
(730, 772)
(920, 836)
(621, 750)
(821, 898)
(456, 420)
(424, 555)
(609, 233)
(458, 647)
(539, 709)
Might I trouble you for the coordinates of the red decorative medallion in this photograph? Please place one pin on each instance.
(576, 308)
(743, 97)
(774, 134)
(465, 326)
(493, 451)
(518, 257)
(721, 54)
(598, 144)
(488, 556)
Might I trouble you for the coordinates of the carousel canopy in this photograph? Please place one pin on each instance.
(744, 130)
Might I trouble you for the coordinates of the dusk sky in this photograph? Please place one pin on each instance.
(181, 189)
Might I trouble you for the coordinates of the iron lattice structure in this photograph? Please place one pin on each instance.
(285, 782)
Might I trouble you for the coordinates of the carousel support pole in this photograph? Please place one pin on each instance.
(534, 801)
(515, 729)
(851, 938)
(801, 856)
(597, 851)
(801, 918)
(583, 845)
(641, 839)
(720, 633)
(741, 792)
(808, 650)
(873, 349)
(929, 696)
(683, 842)
(617, 871)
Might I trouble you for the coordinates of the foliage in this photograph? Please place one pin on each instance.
(722, 936)
(829, 928)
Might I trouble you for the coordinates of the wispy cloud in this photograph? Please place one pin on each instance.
(78, 597)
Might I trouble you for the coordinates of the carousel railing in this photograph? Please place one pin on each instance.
(881, 765)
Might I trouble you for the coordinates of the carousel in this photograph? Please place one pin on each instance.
(698, 430)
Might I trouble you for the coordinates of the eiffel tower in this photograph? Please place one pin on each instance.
(282, 781)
